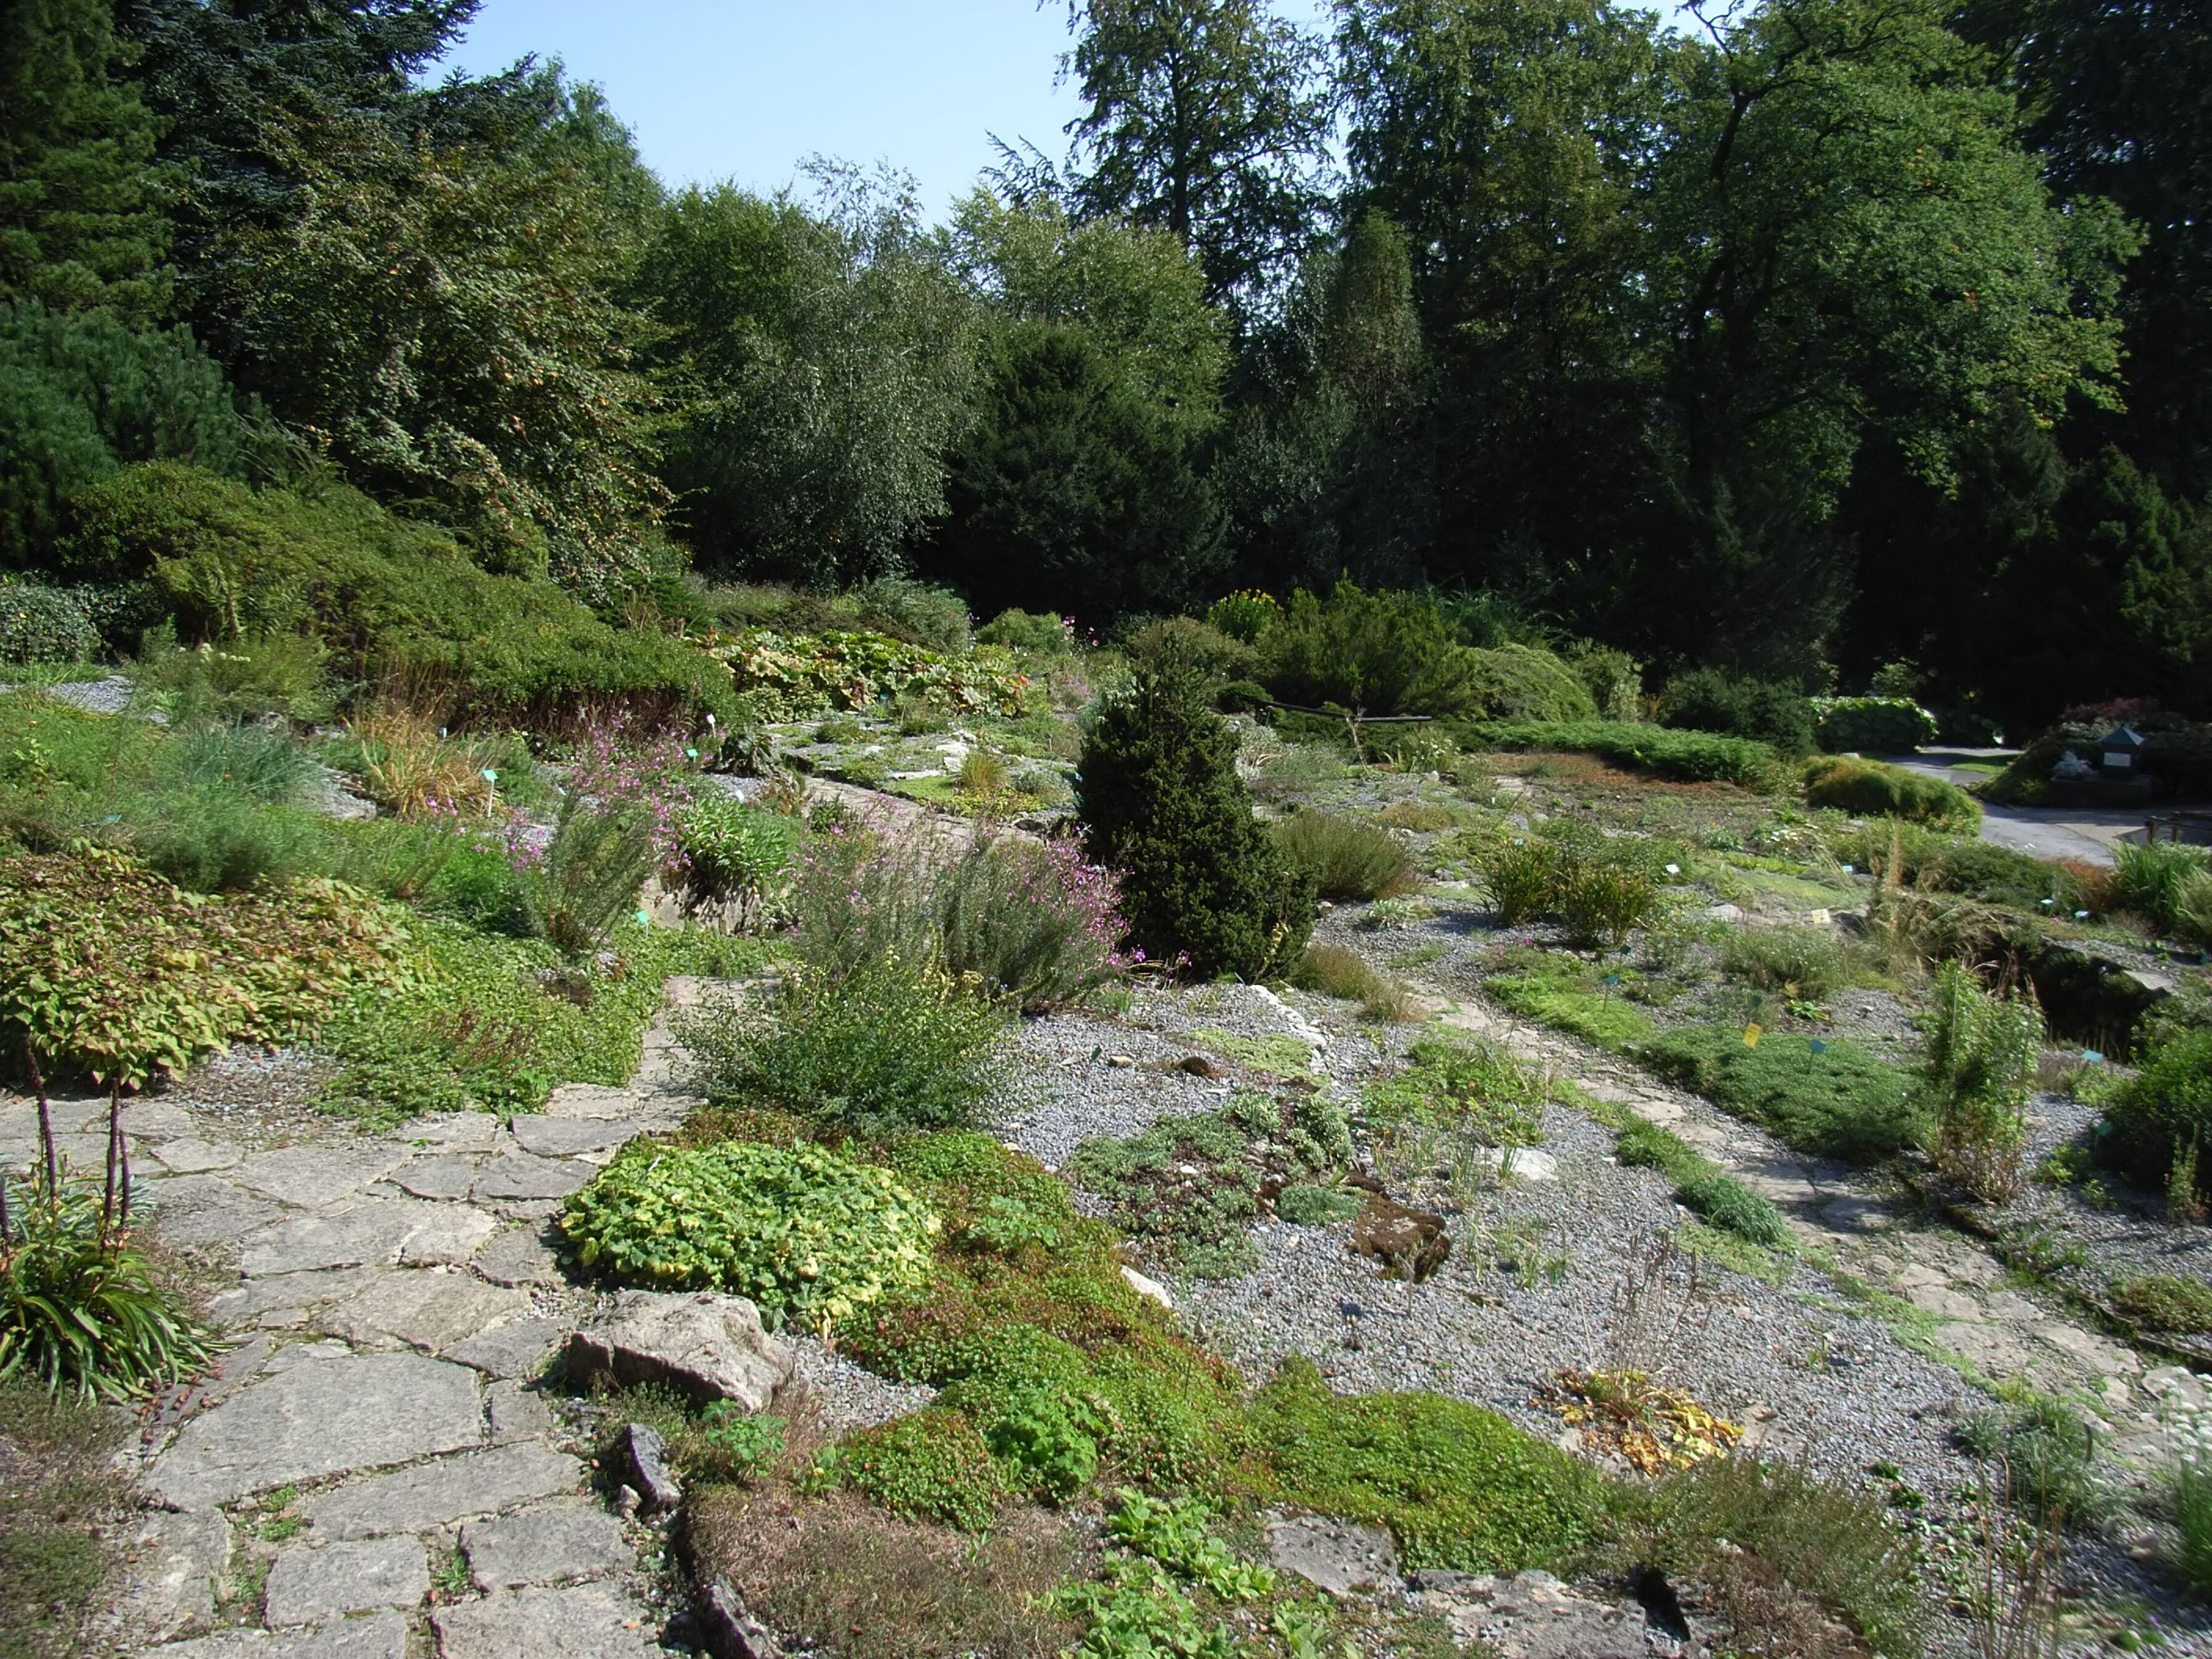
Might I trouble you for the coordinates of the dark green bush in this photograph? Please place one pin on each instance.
(1386, 653)
(1346, 858)
(1873, 725)
(387, 595)
(1179, 642)
(1870, 789)
(2161, 1117)
(1764, 711)
(1515, 682)
(1456, 1485)
(1161, 802)
(39, 623)
(1035, 631)
(1600, 891)
(1840, 1102)
(214, 841)
(1683, 756)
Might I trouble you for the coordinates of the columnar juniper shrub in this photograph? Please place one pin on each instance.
(1202, 880)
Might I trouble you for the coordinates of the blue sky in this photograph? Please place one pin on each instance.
(737, 90)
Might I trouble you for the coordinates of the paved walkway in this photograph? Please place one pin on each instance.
(2086, 834)
(373, 1474)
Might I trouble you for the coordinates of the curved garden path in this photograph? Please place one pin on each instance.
(373, 1473)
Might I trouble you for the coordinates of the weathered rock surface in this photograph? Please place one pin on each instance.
(381, 1637)
(1531, 1615)
(711, 1347)
(516, 1349)
(1339, 1556)
(317, 1416)
(315, 1586)
(588, 1622)
(438, 1494)
(172, 1564)
(546, 1546)
(645, 1460)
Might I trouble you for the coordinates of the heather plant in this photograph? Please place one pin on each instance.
(1029, 920)
(619, 819)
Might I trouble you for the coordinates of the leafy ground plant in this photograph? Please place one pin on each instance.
(1837, 1101)
(810, 1236)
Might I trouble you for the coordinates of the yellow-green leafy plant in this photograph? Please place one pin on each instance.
(809, 1235)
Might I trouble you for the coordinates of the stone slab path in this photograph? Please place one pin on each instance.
(372, 1474)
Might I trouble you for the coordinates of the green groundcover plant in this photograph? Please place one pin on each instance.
(1681, 756)
(809, 1235)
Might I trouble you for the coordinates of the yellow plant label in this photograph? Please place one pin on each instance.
(1751, 1035)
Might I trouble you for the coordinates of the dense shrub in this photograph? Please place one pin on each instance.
(1514, 682)
(1600, 891)
(214, 841)
(1456, 1485)
(1202, 879)
(1346, 858)
(1384, 653)
(808, 1236)
(1870, 789)
(922, 612)
(112, 971)
(39, 623)
(1707, 699)
(1614, 679)
(1873, 725)
(1245, 615)
(1841, 1101)
(386, 595)
(1178, 642)
(1029, 920)
(1038, 632)
(891, 1046)
(2158, 1124)
(1683, 756)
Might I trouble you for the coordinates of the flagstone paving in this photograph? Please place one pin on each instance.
(374, 1432)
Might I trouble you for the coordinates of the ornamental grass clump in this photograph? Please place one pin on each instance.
(810, 1236)
(890, 1047)
(619, 819)
(2190, 1493)
(1346, 858)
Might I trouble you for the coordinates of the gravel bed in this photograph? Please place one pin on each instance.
(848, 1395)
(109, 695)
(264, 1097)
(1805, 1375)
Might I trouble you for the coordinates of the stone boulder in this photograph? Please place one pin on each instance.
(710, 1347)
(1410, 1243)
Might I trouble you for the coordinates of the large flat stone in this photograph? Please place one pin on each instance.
(189, 1155)
(315, 1177)
(315, 1586)
(590, 1100)
(383, 1635)
(561, 1546)
(422, 1309)
(369, 1232)
(441, 1493)
(589, 1621)
(565, 1137)
(443, 1177)
(519, 1256)
(206, 1209)
(170, 1565)
(452, 1132)
(519, 1348)
(320, 1416)
(448, 1238)
(519, 1176)
(287, 1299)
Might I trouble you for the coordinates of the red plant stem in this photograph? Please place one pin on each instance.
(114, 1135)
(45, 1116)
